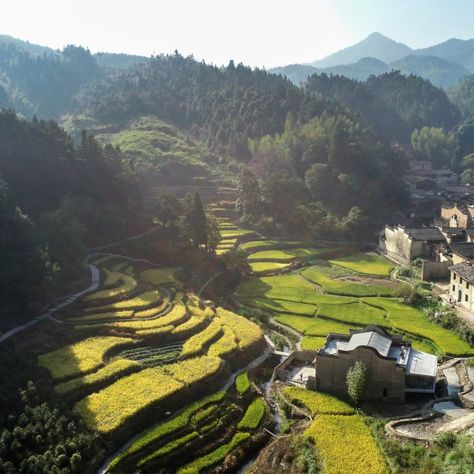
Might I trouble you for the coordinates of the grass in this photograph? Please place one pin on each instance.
(159, 276)
(313, 326)
(152, 144)
(234, 233)
(281, 306)
(225, 345)
(318, 403)
(115, 369)
(263, 267)
(367, 263)
(242, 383)
(253, 416)
(345, 444)
(313, 343)
(286, 255)
(258, 244)
(141, 301)
(168, 448)
(167, 428)
(177, 315)
(112, 407)
(340, 287)
(413, 321)
(193, 370)
(81, 357)
(286, 287)
(127, 284)
(196, 344)
(353, 313)
(215, 456)
(246, 332)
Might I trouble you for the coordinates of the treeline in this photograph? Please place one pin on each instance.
(393, 104)
(224, 106)
(45, 84)
(327, 178)
(56, 199)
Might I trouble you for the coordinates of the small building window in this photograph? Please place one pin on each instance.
(466, 297)
(460, 281)
(467, 285)
(454, 276)
(454, 287)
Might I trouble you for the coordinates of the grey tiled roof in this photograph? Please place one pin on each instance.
(465, 249)
(426, 233)
(464, 270)
(370, 339)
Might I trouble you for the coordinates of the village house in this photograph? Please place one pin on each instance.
(457, 215)
(394, 367)
(462, 284)
(404, 245)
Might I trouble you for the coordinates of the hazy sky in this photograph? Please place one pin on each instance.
(255, 32)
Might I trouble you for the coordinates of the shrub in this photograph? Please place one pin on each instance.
(253, 416)
(242, 383)
(81, 357)
(318, 402)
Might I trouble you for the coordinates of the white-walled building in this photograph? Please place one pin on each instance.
(461, 285)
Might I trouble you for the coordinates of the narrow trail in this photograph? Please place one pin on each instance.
(95, 274)
(229, 382)
(290, 330)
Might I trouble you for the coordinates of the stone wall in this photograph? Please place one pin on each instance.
(435, 270)
(385, 379)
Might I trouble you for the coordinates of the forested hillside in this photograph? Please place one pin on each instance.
(392, 103)
(57, 198)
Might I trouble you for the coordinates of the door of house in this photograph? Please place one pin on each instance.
(459, 296)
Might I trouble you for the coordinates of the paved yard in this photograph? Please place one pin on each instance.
(299, 375)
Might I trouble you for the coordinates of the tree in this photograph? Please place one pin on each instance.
(435, 145)
(167, 209)
(356, 381)
(249, 202)
(197, 221)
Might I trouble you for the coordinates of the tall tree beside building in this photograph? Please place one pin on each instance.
(197, 221)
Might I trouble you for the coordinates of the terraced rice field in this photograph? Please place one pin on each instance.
(367, 263)
(339, 303)
(335, 428)
(152, 349)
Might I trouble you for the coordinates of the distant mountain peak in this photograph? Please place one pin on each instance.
(376, 45)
